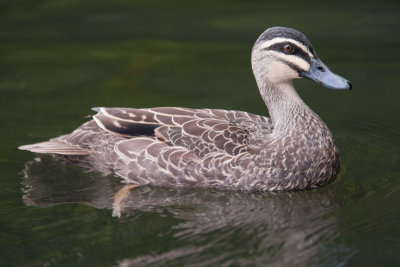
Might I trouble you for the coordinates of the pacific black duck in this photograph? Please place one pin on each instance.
(214, 148)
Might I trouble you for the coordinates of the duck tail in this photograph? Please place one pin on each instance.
(55, 146)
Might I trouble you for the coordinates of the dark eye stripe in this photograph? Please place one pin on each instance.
(297, 50)
(290, 64)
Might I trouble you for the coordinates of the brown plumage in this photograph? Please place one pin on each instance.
(213, 148)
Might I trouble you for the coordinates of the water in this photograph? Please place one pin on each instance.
(60, 58)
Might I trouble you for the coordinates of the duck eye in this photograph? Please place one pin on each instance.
(288, 48)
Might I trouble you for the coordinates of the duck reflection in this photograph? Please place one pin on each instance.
(304, 222)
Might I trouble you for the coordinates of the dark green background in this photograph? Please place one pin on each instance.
(60, 58)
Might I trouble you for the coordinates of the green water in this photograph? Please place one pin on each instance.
(60, 58)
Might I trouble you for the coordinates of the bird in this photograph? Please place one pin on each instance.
(218, 149)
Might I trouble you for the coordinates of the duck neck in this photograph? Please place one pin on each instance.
(286, 109)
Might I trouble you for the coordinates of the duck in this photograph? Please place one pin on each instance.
(204, 148)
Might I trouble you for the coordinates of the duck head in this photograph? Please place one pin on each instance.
(282, 54)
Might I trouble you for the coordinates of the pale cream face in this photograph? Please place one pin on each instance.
(280, 67)
(279, 72)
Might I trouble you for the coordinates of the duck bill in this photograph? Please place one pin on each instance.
(320, 73)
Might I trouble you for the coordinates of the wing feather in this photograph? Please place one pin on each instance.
(201, 131)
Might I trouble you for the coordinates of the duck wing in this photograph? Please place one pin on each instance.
(172, 146)
(200, 131)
